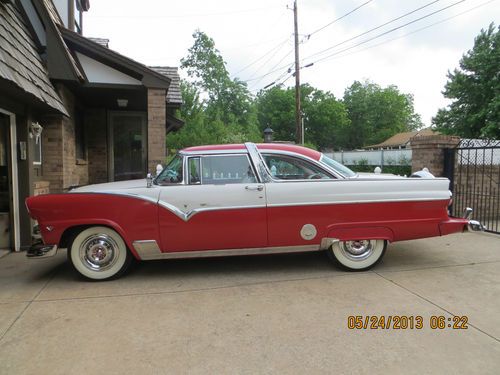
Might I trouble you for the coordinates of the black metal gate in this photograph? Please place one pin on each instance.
(474, 172)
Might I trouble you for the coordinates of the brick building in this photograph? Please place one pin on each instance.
(72, 111)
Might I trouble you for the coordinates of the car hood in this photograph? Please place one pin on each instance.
(111, 186)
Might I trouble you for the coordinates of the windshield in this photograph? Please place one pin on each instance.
(172, 173)
(336, 166)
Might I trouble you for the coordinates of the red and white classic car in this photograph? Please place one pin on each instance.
(239, 200)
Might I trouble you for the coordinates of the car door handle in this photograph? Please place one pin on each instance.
(255, 188)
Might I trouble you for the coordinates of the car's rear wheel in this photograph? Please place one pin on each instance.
(99, 253)
(358, 255)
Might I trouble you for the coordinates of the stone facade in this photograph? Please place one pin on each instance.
(156, 128)
(428, 152)
(59, 164)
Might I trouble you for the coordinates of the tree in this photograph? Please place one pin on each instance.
(377, 113)
(475, 90)
(227, 100)
(325, 118)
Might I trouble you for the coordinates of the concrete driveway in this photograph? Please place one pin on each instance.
(265, 314)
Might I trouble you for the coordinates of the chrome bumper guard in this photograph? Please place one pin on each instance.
(39, 250)
(473, 225)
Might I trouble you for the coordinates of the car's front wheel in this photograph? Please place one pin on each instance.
(99, 253)
(357, 255)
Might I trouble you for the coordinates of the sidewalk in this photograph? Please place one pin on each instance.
(263, 314)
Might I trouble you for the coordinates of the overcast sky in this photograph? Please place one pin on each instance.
(256, 37)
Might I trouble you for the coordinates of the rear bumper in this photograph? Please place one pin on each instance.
(475, 226)
(39, 250)
(457, 225)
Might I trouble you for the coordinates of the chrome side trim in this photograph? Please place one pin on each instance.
(115, 192)
(353, 201)
(188, 215)
(151, 253)
(327, 242)
(147, 249)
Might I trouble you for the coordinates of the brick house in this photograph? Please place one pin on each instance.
(72, 111)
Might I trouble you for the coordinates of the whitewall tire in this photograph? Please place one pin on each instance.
(357, 255)
(99, 253)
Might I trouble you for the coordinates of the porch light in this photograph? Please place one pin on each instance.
(122, 103)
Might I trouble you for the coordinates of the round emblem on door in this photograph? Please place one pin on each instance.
(308, 232)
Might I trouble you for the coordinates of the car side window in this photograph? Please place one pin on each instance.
(226, 169)
(172, 173)
(284, 167)
(194, 171)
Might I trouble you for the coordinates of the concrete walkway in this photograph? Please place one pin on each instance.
(277, 314)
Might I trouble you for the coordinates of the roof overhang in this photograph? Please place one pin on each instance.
(148, 77)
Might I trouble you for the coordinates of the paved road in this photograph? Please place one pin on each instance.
(275, 314)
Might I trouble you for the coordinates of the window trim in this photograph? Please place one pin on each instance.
(334, 176)
(202, 156)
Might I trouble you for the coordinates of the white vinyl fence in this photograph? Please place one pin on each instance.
(373, 157)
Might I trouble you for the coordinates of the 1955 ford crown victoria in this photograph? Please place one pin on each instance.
(239, 200)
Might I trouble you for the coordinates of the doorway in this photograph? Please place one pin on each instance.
(127, 145)
(5, 192)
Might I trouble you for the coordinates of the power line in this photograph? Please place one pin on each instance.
(375, 28)
(135, 16)
(338, 19)
(389, 31)
(272, 69)
(415, 31)
(278, 47)
(266, 61)
(364, 33)
(345, 41)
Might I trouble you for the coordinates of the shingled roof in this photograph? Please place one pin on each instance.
(20, 62)
(174, 91)
(402, 139)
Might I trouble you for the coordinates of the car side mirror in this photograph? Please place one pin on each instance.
(149, 180)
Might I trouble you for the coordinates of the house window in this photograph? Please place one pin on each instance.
(79, 136)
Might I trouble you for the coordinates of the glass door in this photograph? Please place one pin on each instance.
(127, 145)
(4, 184)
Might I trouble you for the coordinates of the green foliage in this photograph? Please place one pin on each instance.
(325, 118)
(377, 113)
(218, 109)
(226, 113)
(475, 90)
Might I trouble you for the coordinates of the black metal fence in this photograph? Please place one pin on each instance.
(474, 172)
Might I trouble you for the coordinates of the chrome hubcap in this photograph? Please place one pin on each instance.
(357, 250)
(98, 252)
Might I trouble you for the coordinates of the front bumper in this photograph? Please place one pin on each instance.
(40, 250)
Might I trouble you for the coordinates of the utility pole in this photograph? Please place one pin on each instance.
(298, 115)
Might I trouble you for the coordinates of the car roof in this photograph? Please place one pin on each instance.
(286, 147)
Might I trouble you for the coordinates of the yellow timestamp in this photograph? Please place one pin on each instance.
(395, 322)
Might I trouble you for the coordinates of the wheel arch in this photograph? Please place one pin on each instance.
(72, 231)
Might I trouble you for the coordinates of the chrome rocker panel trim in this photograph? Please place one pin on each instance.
(149, 250)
